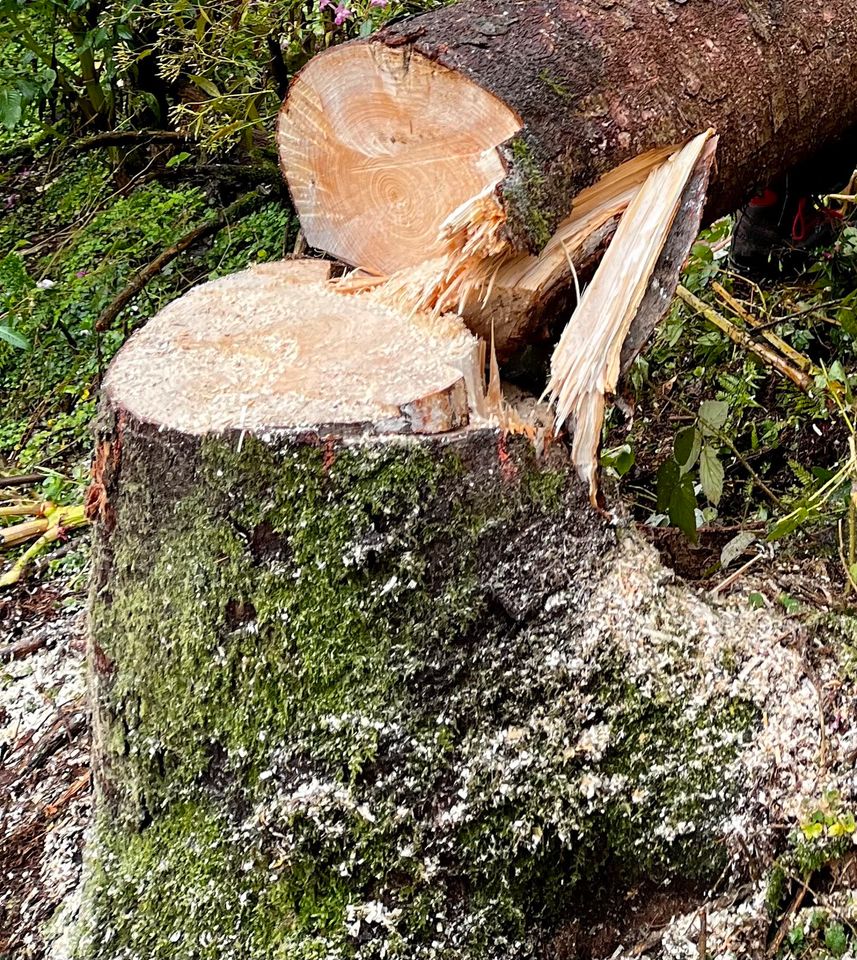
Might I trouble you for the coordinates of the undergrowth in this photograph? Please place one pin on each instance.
(722, 439)
(68, 246)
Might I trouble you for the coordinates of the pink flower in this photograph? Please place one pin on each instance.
(377, 3)
(342, 14)
(324, 3)
(81, 273)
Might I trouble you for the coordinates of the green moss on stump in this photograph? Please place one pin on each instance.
(347, 706)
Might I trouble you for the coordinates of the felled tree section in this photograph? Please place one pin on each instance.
(478, 159)
(382, 140)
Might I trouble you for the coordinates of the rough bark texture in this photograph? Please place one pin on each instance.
(597, 83)
(403, 697)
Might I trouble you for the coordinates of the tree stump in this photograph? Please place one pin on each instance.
(369, 677)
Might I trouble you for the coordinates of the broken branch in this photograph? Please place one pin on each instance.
(742, 339)
(152, 269)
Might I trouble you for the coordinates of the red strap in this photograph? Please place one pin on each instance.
(801, 227)
(766, 199)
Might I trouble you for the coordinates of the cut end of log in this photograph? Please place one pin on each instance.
(275, 348)
(373, 135)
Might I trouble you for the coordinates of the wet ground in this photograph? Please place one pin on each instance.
(44, 768)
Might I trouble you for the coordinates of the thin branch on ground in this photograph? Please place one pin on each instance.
(118, 138)
(742, 339)
(24, 480)
(138, 282)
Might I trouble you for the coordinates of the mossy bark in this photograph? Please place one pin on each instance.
(349, 702)
(597, 83)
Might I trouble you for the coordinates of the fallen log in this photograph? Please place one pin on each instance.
(371, 679)
(381, 140)
(478, 159)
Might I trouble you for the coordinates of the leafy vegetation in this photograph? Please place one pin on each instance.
(806, 874)
(216, 70)
(722, 438)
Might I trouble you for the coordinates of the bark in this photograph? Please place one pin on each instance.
(596, 84)
(363, 694)
(298, 647)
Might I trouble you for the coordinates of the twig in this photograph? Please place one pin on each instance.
(702, 945)
(736, 575)
(53, 526)
(25, 509)
(785, 926)
(25, 480)
(23, 648)
(52, 809)
(57, 554)
(798, 359)
(300, 247)
(740, 337)
(152, 269)
(266, 173)
(64, 731)
(727, 900)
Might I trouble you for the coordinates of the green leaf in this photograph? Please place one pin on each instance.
(711, 474)
(756, 601)
(668, 478)
(206, 85)
(686, 447)
(682, 508)
(13, 338)
(788, 524)
(788, 603)
(10, 108)
(178, 159)
(712, 416)
(227, 131)
(847, 319)
(837, 372)
(835, 939)
(703, 252)
(812, 831)
(619, 459)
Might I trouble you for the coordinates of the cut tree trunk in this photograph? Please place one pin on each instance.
(371, 679)
(479, 159)
(275, 345)
(381, 140)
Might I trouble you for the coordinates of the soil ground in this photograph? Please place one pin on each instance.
(44, 767)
